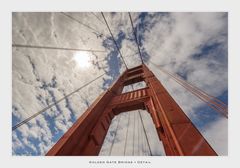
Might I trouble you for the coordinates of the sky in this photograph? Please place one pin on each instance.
(192, 45)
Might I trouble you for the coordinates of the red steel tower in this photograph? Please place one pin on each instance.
(177, 133)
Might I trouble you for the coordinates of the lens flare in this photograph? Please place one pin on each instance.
(82, 58)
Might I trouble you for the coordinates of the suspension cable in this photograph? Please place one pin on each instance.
(133, 134)
(114, 40)
(87, 26)
(53, 104)
(145, 132)
(141, 142)
(135, 36)
(97, 17)
(221, 108)
(138, 135)
(144, 145)
(54, 48)
(199, 91)
(116, 130)
(211, 101)
(126, 138)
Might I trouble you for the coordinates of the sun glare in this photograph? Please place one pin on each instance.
(82, 59)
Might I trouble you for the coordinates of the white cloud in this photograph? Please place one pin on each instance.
(171, 40)
(216, 135)
(172, 44)
(34, 67)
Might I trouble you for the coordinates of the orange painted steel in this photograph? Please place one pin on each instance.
(177, 133)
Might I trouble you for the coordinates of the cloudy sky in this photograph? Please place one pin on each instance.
(192, 45)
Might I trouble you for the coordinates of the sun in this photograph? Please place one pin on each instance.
(82, 58)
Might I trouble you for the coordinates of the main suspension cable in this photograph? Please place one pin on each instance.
(210, 100)
(135, 36)
(53, 104)
(114, 40)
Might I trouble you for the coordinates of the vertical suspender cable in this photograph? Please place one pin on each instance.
(126, 138)
(141, 138)
(110, 151)
(133, 133)
(138, 135)
(144, 129)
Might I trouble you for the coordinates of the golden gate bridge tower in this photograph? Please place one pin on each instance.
(176, 131)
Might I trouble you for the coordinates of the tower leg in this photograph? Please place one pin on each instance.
(179, 135)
